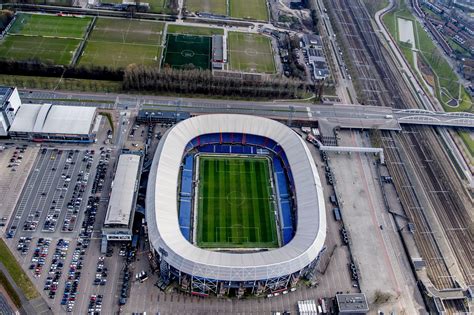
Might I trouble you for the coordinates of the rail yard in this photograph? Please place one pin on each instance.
(438, 189)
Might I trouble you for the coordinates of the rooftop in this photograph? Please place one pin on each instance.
(124, 187)
(5, 93)
(352, 303)
(53, 119)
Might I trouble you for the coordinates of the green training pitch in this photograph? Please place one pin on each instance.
(184, 50)
(127, 31)
(50, 26)
(116, 43)
(208, 6)
(250, 53)
(117, 55)
(58, 51)
(249, 9)
(235, 207)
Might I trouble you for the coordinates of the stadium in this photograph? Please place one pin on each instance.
(234, 206)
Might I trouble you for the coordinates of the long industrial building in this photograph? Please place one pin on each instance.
(121, 208)
(46, 122)
(203, 271)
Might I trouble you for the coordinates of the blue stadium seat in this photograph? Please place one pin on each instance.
(227, 138)
(237, 137)
(185, 217)
(285, 202)
(185, 196)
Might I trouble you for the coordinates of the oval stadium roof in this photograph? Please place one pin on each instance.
(162, 205)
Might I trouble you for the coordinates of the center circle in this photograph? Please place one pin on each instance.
(236, 197)
(186, 53)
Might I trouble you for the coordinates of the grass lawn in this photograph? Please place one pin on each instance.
(16, 272)
(249, 9)
(209, 6)
(468, 139)
(447, 86)
(235, 206)
(127, 31)
(50, 25)
(116, 43)
(57, 51)
(156, 6)
(250, 53)
(68, 84)
(192, 30)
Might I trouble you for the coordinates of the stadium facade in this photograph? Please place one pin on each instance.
(301, 220)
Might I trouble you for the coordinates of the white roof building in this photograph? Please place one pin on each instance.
(53, 119)
(162, 206)
(123, 189)
(120, 210)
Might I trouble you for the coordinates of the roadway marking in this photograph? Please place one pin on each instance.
(310, 114)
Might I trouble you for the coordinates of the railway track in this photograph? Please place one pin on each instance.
(382, 85)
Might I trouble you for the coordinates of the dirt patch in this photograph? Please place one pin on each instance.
(425, 69)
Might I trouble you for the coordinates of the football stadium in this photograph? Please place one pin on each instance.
(234, 206)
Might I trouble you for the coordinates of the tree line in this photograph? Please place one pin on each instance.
(37, 68)
(188, 80)
(195, 81)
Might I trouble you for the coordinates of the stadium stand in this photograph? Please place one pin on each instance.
(284, 200)
(185, 197)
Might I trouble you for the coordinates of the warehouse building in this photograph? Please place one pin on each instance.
(219, 52)
(153, 116)
(313, 50)
(55, 123)
(121, 209)
(9, 104)
(354, 303)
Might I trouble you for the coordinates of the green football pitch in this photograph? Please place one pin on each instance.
(46, 38)
(182, 50)
(50, 26)
(235, 207)
(250, 53)
(56, 51)
(116, 43)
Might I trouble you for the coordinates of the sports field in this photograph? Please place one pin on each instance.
(45, 38)
(235, 208)
(250, 53)
(50, 25)
(249, 9)
(208, 6)
(57, 51)
(183, 50)
(119, 42)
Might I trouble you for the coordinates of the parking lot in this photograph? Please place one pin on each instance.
(16, 162)
(54, 223)
(54, 193)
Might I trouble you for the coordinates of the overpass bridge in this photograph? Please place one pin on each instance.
(386, 118)
(431, 118)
